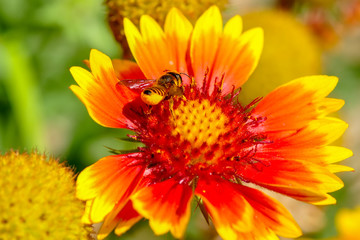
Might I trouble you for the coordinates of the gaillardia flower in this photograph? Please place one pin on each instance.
(204, 145)
(38, 199)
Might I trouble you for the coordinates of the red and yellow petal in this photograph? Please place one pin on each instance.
(204, 42)
(178, 30)
(304, 181)
(240, 212)
(320, 132)
(321, 155)
(166, 205)
(125, 69)
(270, 213)
(128, 217)
(156, 51)
(143, 50)
(292, 105)
(262, 232)
(107, 183)
(298, 160)
(227, 52)
(98, 90)
(122, 218)
(324, 156)
(309, 143)
(86, 216)
(237, 56)
(229, 210)
(336, 168)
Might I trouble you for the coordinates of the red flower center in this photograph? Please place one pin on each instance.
(206, 134)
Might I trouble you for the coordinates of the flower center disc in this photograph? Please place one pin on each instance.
(199, 122)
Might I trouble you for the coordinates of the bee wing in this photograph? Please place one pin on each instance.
(137, 84)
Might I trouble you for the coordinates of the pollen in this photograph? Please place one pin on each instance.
(199, 122)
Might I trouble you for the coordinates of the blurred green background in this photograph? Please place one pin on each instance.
(40, 40)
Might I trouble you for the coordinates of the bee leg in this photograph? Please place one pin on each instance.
(148, 110)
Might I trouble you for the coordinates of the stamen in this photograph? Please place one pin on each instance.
(195, 122)
(206, 83)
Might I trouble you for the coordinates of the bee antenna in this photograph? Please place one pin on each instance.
(186, 75)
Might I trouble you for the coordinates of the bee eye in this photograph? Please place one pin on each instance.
(147, 92)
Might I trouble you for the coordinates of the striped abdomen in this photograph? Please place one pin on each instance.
(154, 95)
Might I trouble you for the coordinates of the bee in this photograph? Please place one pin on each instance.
(167, 86)
(154, 91)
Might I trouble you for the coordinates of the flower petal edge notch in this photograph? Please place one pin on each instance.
(209, 147)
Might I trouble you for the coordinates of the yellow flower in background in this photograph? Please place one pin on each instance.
(118, 10)
(38, 199)
(202, 144)
(348, 224)
(290, 51)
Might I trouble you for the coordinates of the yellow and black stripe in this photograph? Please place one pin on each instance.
(154, 95)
